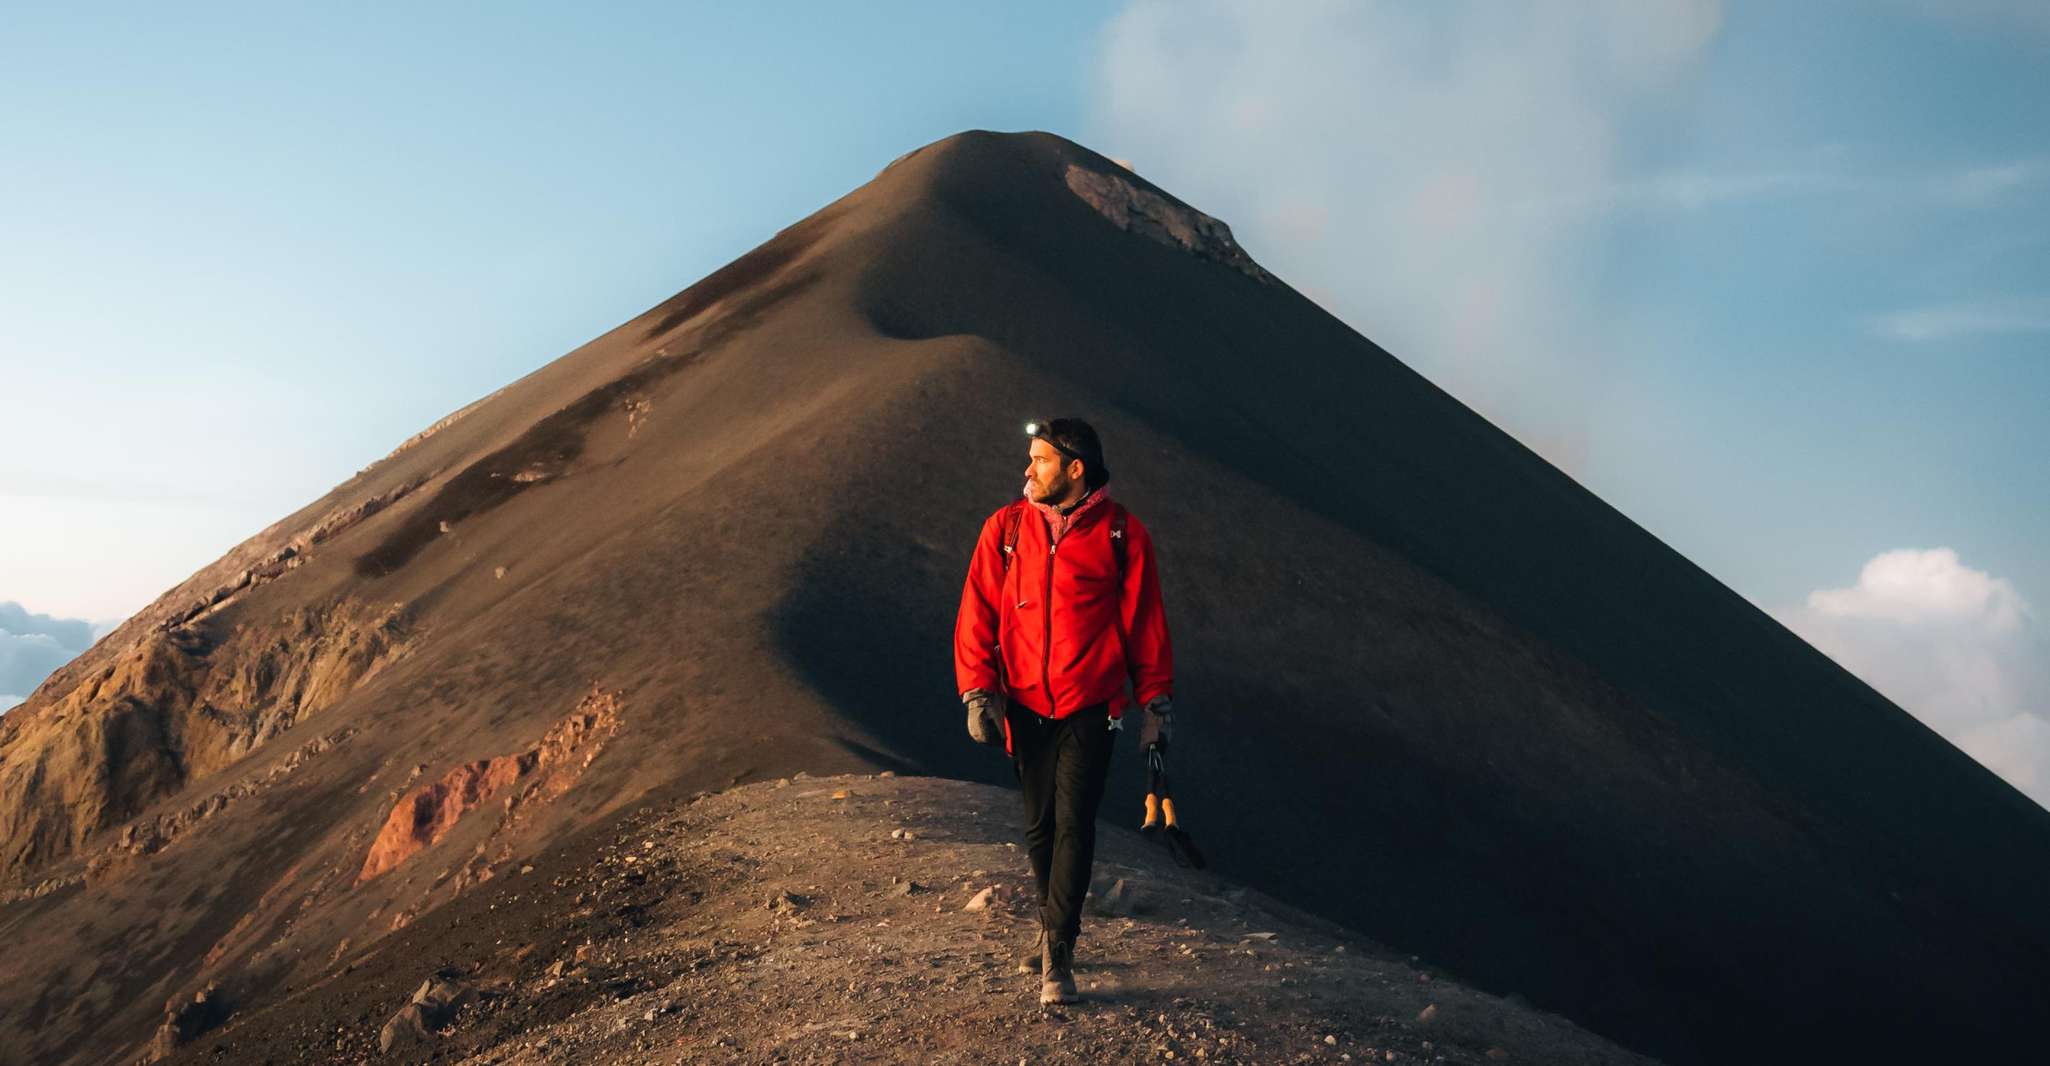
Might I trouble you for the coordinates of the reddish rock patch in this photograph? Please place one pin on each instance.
(426, 814)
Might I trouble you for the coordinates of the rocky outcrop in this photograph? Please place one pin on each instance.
(1156, 217)
(446, 421)
(426, 814)
(147, 836)
(290, 556)
(185, 1019)
(417, 1025)
(175, 708)
(150, 835)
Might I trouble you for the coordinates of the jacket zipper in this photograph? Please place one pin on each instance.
(1046, 646)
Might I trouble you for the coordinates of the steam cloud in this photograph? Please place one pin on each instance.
(1433, 174)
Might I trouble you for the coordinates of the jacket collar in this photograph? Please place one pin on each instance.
(1058, 523)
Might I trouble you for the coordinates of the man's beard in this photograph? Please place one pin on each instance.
(1053, 491)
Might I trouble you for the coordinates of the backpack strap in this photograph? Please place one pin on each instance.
(1016, 513)
(1012, 516)
(1117, 536)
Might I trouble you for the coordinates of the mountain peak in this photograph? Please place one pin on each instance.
(1435, 689)
(979, 168)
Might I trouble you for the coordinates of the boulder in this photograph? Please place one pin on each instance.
(407, 1030)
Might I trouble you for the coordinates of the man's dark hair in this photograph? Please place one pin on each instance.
(1077, 439)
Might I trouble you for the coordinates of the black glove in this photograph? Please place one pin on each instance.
(985, 716)
(1156, 723)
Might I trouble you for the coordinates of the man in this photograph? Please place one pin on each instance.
(1062, 607)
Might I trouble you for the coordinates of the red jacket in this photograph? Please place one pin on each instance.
(1058, 632)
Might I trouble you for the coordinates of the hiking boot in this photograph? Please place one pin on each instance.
(1057, 973)
(1033, 956)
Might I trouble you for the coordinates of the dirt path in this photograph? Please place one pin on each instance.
(825, 920)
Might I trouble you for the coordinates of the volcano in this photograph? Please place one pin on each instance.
(1432, 689)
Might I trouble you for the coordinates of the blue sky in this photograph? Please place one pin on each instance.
(1773, 279)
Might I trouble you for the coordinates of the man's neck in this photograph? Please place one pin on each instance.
(1064, 508)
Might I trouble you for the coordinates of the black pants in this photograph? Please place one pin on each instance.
(1062, 764)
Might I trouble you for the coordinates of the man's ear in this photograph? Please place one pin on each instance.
(1075, 469)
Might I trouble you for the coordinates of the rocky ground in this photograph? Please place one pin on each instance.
(869, 918)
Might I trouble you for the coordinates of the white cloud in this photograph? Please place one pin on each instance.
(1430, 172)
(34, 645)
(1911, 586)
(1942, 322)
(1958, 648)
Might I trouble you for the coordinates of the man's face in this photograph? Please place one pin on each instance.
(1047, 478)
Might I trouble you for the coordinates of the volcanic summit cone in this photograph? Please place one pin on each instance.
(1431, 688)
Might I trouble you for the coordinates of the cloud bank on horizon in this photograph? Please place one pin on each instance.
(32, 646)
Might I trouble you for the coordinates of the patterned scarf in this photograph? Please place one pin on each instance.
(1058, 523)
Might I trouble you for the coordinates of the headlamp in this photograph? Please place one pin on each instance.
(1037, 429)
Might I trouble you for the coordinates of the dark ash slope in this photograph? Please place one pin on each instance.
(1432, 688)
